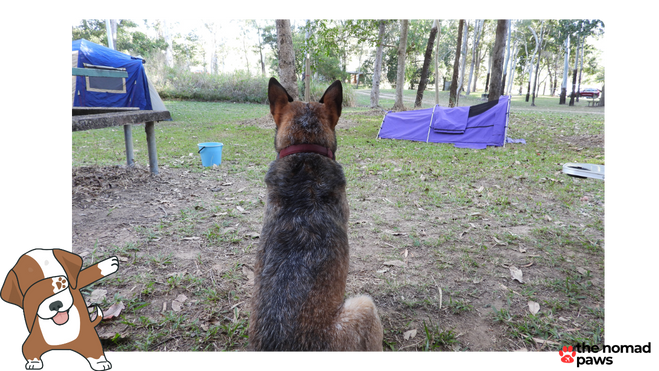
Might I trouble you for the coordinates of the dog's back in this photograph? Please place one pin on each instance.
(302, 263)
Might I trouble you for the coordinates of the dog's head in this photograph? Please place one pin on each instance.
(305, 123)
(40, 283)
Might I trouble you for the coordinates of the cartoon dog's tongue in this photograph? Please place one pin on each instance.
(61, 318)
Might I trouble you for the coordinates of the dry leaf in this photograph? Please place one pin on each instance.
(114, 310)
(97, 296)
(191, 238)
(394, 263)
(516, 273)
(534, 307)
(177, 304)
(240, 209)
(249, 273)
(548, 218)
(409, 334)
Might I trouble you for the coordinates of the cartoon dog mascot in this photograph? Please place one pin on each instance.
(46, 284)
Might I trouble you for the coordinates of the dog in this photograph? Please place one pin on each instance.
(302, 261)
(46, 284)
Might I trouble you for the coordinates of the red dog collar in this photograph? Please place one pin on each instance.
(315, 148)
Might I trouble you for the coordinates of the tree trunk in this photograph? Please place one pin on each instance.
(574, 73)
(474, 49)
(580, 69)
(497, 62)
(463, 56)
(528, 91)
(602, 97)
(377, 68)
(426, 66)
(453, 97)
(505, 64)
(400, 73)
(537, 67)
(169, 52)
(565, 72)
(439, 31)
(489, 71)
(287, 76)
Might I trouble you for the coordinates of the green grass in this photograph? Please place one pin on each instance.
(515, 186)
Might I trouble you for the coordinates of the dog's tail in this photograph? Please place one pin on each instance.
(96, 316)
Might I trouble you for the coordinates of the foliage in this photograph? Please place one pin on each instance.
(129, 41)
(238, 86)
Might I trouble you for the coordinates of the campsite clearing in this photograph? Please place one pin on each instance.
(438, 234)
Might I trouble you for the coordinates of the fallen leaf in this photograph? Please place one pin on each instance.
(97, 296)
(582, 271)
(177, 304)
(191, 238)
(499, 242)
(409, 334)
(249, 273)
(382, 270)
(252, 235)
(240, 209)
(548, 218)
(394, 263)
(534, 307)
(516, 273)
(522, 249)
(114, 310)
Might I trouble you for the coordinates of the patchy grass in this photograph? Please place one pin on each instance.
(455, 219)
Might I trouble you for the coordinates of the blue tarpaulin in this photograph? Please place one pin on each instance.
(133, 91)
(466, 127)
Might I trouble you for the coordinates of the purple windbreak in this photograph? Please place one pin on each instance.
(451, 125)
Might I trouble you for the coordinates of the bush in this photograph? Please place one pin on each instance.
(238, 86)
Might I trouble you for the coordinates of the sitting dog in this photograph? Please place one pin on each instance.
(302, 262)
(46, 284)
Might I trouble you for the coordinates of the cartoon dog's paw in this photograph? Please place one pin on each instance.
(567, 354)
(99, 364)
(109, 266)
(34, 364)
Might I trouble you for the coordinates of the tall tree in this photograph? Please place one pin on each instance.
(537, 66)
(463, 56)
(565, 72)
(505, 63)
(497, 60)
(400, 75)
(453, 90)
(377, 68)
(535, 51)
(474, 51)
(426, 65)
(287, 76)
(439, 28)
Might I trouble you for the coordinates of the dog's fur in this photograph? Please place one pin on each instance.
(302, 262)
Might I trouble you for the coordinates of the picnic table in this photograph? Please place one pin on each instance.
(593, 101)
(127, 118)
(87, 118)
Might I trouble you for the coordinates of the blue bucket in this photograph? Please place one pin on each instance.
(211, 153)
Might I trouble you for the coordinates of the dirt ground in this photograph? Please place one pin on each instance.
(205, 225)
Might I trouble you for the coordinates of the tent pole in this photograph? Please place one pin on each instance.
(505, 132)
(430, 124)
(382, 123)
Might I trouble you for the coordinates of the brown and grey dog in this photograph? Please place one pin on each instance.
(302, 262)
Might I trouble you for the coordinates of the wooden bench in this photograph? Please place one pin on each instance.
(87, 118)
(593, 101)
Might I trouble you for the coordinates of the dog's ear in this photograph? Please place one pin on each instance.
(71, 263)
(333, 99)
(11, 293)
(278, 97)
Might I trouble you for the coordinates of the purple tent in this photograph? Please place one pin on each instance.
(475, 127)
